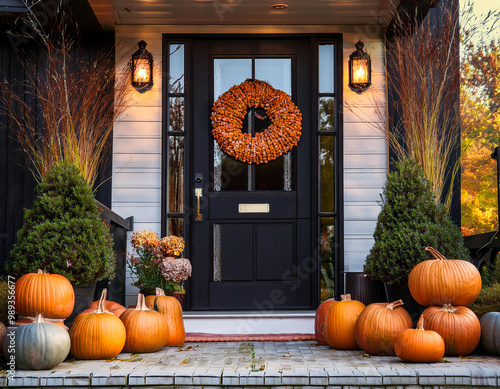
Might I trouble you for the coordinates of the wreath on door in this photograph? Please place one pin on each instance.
(227, 122)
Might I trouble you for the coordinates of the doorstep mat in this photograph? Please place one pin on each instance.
(202, 337)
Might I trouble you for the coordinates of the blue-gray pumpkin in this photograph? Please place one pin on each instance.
(490, 332)
(38, 345)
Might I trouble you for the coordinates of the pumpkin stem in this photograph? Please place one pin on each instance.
(447, 307)
(345, 297)
(395, 304)
(160, 292)
(420, 323)
(101, 305)
(435, 253)
(141, 303)
(39, 319)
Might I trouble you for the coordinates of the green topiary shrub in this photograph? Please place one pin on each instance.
(63, 232)
(409, 221)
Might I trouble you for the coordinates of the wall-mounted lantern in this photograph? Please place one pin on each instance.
(142, 68)
(360, 69)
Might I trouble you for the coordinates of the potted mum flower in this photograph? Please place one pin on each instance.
(155, 263)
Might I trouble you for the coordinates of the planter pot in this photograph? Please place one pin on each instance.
(396, 292)
(84, 295)
(179, 296)
(364, 287)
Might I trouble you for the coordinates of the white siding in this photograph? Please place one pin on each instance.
(137, 148)
(365, 154)
(137, 138)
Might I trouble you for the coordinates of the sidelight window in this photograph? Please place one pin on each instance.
(175, 138)
(327, 161)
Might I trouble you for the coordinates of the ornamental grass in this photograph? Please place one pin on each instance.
(66, 106)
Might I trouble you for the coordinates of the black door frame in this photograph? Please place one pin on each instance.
(189, 210)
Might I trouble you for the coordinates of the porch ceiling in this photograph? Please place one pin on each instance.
(235, 12)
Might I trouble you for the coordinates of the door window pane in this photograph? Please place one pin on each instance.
(176, 62)
(229, 174)
(327, 174)
(175, 226)
(327, 250)
(229, 72)
(326, 114)
(326, 61)
(176, 174)
(276, 71)
(270, 176)
(176, 114)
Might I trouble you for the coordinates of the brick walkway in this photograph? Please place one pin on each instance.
(253, 364)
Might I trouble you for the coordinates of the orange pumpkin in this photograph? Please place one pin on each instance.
(378, 325)
(340, 322)
(3, 334)
(419, 345)
(97, 334)
(111, 306)
(49, 294)
(171, 309)
(147, 330)
(319, 320)
(458, 326)
(444, 281)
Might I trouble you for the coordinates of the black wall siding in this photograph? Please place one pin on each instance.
(17, 184)
(431, 9)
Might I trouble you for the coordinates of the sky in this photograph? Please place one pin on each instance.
(483, 7)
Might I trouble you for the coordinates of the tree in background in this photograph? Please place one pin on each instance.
(480, 121)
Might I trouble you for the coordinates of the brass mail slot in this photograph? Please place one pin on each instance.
(253, 208)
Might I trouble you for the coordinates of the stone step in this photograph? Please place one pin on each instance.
(250, 322)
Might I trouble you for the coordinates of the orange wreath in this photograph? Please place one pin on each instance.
(227, 122)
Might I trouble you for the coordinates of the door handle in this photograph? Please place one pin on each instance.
(198, 192)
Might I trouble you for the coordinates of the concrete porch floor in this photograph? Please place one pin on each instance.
(262, 364)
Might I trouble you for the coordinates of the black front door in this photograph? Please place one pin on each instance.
(252, 249)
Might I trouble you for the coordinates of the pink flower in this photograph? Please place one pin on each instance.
(176, 269)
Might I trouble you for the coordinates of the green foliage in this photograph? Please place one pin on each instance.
(488, 300)
(491, 274)
(63, 232)
(146, 270)
(409, 221)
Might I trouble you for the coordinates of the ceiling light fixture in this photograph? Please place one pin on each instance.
(279, 6)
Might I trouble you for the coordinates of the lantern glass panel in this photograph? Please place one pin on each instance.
(359, 72)
(142, 71)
